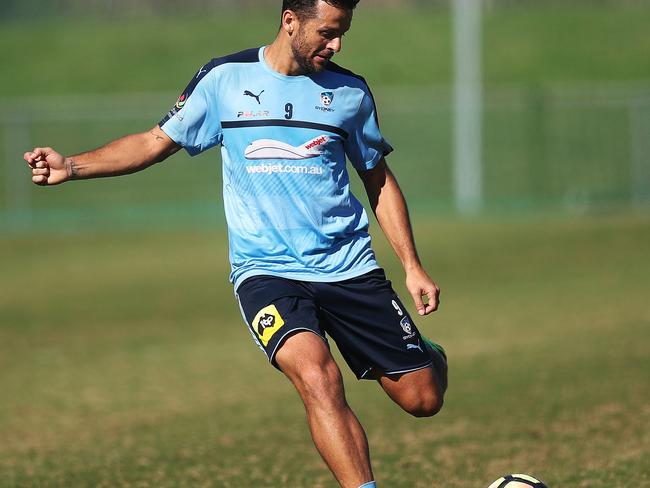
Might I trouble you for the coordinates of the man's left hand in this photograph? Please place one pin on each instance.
(419, 285)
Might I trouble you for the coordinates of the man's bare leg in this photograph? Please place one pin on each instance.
(307, 362)
(420, 393)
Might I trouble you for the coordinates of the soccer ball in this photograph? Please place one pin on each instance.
(517, 481)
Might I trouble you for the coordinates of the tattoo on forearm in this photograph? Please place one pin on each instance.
(157, 136)
(73, 170)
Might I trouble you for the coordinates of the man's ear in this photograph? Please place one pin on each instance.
(290, 22)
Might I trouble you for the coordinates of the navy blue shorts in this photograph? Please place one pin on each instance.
(363, 316)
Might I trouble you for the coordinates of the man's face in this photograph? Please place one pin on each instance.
(319, 38)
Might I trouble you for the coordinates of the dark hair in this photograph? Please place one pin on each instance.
(307, 8)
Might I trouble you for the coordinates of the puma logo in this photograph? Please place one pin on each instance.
(414, 346)
(256, 97)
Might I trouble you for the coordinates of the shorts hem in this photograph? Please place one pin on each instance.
(284, 337)
(400, 371)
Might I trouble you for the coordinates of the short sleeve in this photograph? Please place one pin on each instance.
(194, 122)
(365, 145)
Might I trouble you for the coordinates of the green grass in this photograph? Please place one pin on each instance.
(575, 43)
(123, 358)
(395, 47)
(124, 362)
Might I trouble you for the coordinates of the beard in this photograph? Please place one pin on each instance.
(303, 54)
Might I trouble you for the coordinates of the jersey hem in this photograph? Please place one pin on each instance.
(329, 278)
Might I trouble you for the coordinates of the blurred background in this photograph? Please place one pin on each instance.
(560, 90)
(522, 136)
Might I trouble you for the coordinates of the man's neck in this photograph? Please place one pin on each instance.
(279, 57)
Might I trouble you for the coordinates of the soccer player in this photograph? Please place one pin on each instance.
(286, 117)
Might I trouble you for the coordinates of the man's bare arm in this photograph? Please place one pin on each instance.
(123, 156)
(390, 208)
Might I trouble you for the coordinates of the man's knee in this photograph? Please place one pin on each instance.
(424, 403)
(420, 393)
(308, 363)
(321, 383)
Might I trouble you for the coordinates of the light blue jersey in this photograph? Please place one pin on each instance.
(284, 142)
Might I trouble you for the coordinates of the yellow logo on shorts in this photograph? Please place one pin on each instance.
(267, 322)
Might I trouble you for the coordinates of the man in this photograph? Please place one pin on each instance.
(302, 266)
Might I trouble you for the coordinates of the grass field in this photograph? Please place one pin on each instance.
(123, 357)
(395, 47)
(123, 362)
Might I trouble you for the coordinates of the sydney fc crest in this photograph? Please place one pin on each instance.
(326, 98)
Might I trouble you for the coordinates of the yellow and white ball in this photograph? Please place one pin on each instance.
(517, 481)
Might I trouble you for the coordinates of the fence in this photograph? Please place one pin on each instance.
(557, 148)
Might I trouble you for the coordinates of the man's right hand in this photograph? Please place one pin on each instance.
(48, 166)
